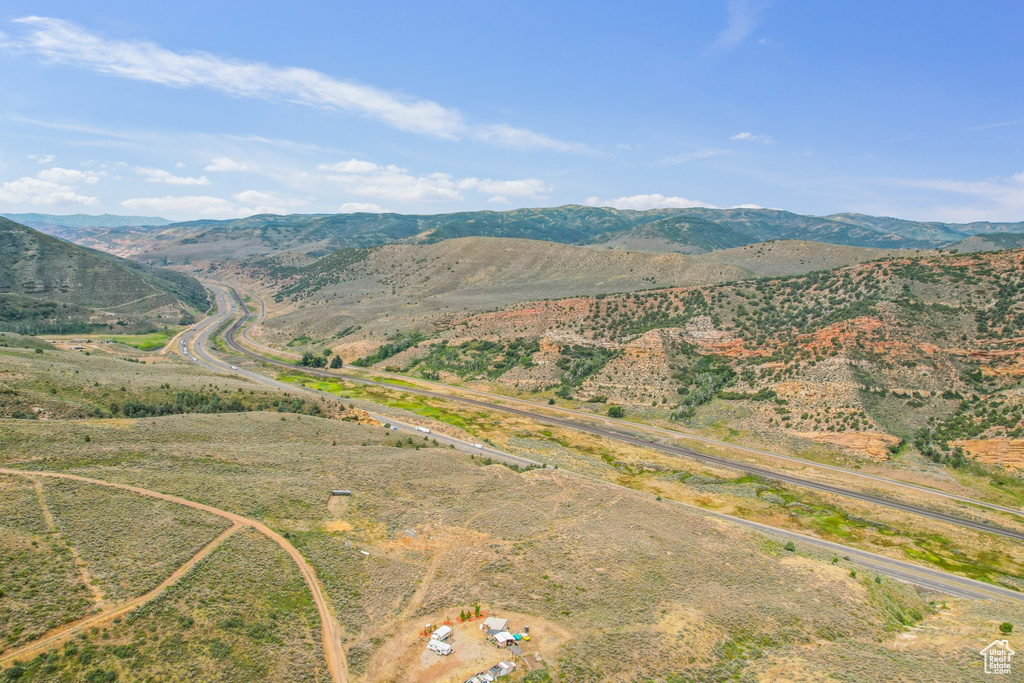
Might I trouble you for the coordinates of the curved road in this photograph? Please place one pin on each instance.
(192, 345)
(229, 337)
(907, 572)
(243, 332)
(332, 645)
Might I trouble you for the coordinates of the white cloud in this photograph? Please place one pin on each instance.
(201, 205)
(350, 166)
(256, 197)
(66, 43)
(50, 187)
(367, 179)
(642, 202)
(67, 175)
(43, 192)
(361, 207)
(158, 175)
(498, 199)
(42, 158)
(744, 17)
(221, 164)
(746, 135)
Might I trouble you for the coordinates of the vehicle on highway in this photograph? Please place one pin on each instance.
(421, 429)
(478, 445)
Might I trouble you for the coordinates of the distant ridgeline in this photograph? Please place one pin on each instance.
(48, 286)
(695, 229)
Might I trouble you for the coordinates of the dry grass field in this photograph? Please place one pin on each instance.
(41, 585)
(832, 517)
(616, 585)
(129, 543)
(112, 381)
(243, 614)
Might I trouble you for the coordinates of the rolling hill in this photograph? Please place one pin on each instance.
(401, 286)
(693, 230)
(992, 241)
(926, 349)
(48, 286)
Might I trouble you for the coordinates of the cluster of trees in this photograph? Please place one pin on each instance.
(701, 382)
(974, 417)
(477, 357)
(466, 615)
(29, 316)
(939, 452)
(578, 363)
(622, 315)
(319, 360)
(400, 342)
(191, 401)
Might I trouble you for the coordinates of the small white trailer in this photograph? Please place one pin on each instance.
(441, 648)
(442, 633)
(421, 429)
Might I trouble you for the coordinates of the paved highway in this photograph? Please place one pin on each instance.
(616, 435)
(243, 332)
(950, 584)
(193, 347)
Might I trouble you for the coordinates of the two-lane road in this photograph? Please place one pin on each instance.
(627, 426)
(635, 440)
(925, 577)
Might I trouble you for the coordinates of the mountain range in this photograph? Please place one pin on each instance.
(692, 230)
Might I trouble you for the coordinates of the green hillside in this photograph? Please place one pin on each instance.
(681, 233)
(691, 230)
(51, 286)
(926, 231)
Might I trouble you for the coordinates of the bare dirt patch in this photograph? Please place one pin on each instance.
(405, 655)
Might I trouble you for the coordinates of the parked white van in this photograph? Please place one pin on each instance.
(439, 647)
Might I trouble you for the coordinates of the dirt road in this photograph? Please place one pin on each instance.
(333, 651)
(56, 636)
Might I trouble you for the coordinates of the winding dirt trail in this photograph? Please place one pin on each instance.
(64, 632)
(333, 652)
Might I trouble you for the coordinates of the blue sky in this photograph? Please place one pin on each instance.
(212, 109)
